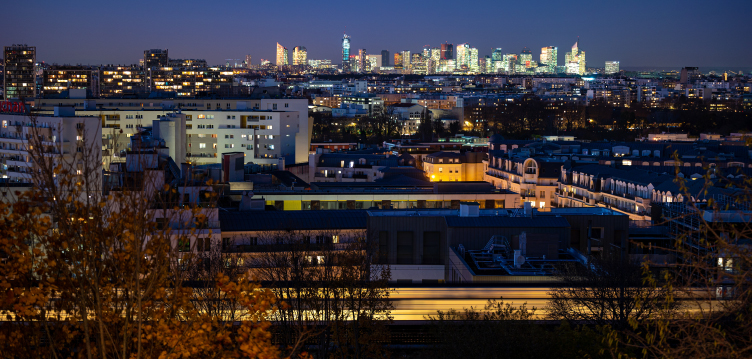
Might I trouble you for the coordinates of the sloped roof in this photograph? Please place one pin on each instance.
(633, 175)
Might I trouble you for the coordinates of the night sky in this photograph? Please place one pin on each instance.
(660, 33)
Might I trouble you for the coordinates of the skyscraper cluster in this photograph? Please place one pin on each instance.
(447, 58)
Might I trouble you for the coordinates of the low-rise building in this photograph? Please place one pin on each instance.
(453, 166)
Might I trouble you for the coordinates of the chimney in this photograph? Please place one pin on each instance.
(523, 243)
(528, 209)
(186, 171)
(248, 203)
(469, 209)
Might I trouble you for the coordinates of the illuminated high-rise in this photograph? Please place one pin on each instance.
(19, 76)
(575, 60)
(496, 58)
(281, 55)
(345, 53)
(433, 61)
(463, 57)
(248, 61)
(473, 63)
(549, 58)
(419, 64)
(406, 65)
(374, 61)
(447, 52)
(363, 64)
(299, 56)
(398, 61)
(155, 68)
(526, 58)
(508, 62)
(612, 67)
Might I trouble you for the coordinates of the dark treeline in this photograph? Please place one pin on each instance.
(530, 116)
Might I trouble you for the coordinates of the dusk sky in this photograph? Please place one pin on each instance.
(637, 33)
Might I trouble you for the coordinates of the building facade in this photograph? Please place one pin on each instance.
(612, 67)
(345, 53)
(57, 79)
(281, 56)
(299, 56)
(19, 77)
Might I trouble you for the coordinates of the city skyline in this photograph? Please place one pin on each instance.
(669, 39)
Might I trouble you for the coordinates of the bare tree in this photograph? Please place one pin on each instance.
(336, 300)
(608, 290)
(87, 271)
(713, 247)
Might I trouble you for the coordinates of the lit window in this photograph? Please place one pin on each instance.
(201, 145)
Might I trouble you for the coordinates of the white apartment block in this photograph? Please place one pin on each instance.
(263, 136)
(63, 134)
(221, 108)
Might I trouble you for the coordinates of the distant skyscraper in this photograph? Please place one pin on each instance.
(398, 61)
(363, 65)
(612, 67)
(508, 62)
(433, 63)
(345, 53)
(299, 56)
(406, 60)
(281, 55)
(526, 58)
(463, 57)
(248, 61)
(550, 58)
(575, 60)
(385, 58)
(418, 64)
(19, 76)
(496, 58)
(473, 62)
(447, 52)
(375, 61)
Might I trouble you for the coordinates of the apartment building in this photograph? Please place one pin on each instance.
(303, 127)
(427, 245)
(628, 191)
(535, 178)
(324, 166)
(115, 81)
(19, 77)
(65, 135)
(453, 166)
(263, 136)
(59, 78)
(396, 192)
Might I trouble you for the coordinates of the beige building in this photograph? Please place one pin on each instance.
(453, 166)
(535, 179)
